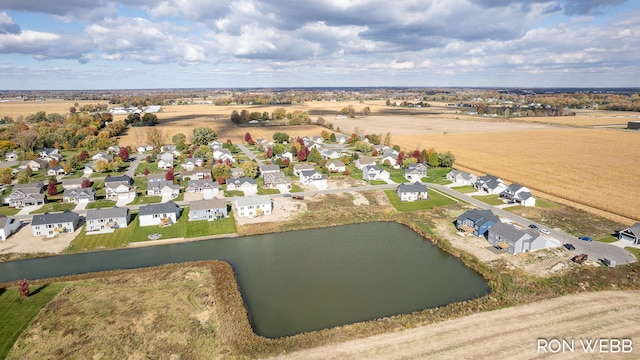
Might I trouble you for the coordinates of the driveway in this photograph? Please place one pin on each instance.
(81, 206)
(27, 209)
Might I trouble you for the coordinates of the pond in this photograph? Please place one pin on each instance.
(305, 280)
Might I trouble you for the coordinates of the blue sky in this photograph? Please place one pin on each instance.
(125, 44)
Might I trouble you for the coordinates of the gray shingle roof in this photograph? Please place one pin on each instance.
(162, 208)
(253, 200)
(46, 218)
(208, 204)
(106, 213)
(413, 187)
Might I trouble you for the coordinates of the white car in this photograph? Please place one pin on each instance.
(545, 231)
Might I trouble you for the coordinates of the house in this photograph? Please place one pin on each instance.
(223, 155)
(119, 188)
(298, 168)
(415, 172)
(48, 151)
(108, 219)
(68, 184)
(390, 160)
(215, 144)
(631, 234)
(88, 170)
(170, 148)
(102, 156)
(277, 180)
(190, 164)
(518, 194)
(490, 184)
(373, 172)
(8, 226)
(163, 188)
(29, 194)
(56, 170)
(461, 178)
(208, 188)
(476, 221)
(341, 139)
(237, 172)
(247, 185)
(363, 161)
(37, 164)
(155, 177)
(285, 155)
(380, 148)
(266, 168)
(207, 210)
(159, 214)
(336, 166)
(331, 154)
(412, 192)
(11, 156)
(82, 195)
(513, 240)
(313, 177)
(252, 206)
(165, 160)
(54, 224)
(113, 149)
(197, 174)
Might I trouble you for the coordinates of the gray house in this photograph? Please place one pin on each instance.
(54, 224)
(476, 221)
(631, 234)
(515, 241)
(159, 214)
(82, 195)
(207, 210)
(107, 220)
(412, 192)
(26, 195)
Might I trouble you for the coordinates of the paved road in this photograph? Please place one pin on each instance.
(249, 154)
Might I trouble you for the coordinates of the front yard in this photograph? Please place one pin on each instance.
(435, 200)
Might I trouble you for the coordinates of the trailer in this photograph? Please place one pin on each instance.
(297, 197)
(609, 262)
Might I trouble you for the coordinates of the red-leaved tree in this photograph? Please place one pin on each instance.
(23, 288)
(400, 158)
(169, 175)
(85, 183)
(51, 188)
(146, 172)
(124, 153)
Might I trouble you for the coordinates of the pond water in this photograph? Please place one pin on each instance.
(305, 280)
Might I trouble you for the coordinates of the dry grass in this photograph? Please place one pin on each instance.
(587, 166)
(16, 108)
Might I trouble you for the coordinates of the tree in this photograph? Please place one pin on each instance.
(220, 171)
(269, 153)
(155, 137)
(23, 288)
(400, 158)
(23, 177)
(123, 153)
(249, 169)
(5, 175)
(84, 155)
(433, 160)
(67, 168)
(203, 135)
(169, 175)
(303, 153)
(101, 165)
(314, 155)
(279, 113)
(278, 149)
(387, 139)
(86, 183)
(179, 140)
(146, 171)
(51, 188)
(332, 137)
(446, 159)
(280, 137)
(248, 139)
(149, 119)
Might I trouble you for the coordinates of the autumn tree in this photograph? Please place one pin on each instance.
(203, 135)
(314, 155)
(280, 137)
(5, 175)
(433, 159)
(179, 140)
(51, 188)
(146, 171)
(387, 139)
(101, 165)
(23, 288)
(446, 159)
(84, 155)
(400, 158)
(220, 171)
(155, 137)
(86, 183)
(248, 139)
(67, 168)
(303, 153)
(169, 175)
(249, 169)
(123, 153)
(269, 153)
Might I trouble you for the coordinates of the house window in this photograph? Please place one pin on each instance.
(156, 215)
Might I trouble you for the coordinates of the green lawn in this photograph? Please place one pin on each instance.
(263, 191)
(295, 188)
(53, 207)
(606, 238)
(232, 193)
(17, 313)
(437, 175)
(153, 168)
(8, 211)
(489, 199)
(464, 189)
(141, 200)
(399, 178)
(435, 200)
(102, 203)
(135, 233)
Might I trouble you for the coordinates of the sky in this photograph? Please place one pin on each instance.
(141, 44)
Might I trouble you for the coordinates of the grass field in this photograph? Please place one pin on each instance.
(17, 313)
(489, 199)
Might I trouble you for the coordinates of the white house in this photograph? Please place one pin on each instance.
(519, 195)
(336, 166)
(252, 206)
(208, 188)
(490, 184)
(54, 224)
(298, 168)
(412, 192)
(207, 210)
(314, 178)
(159, 214)
(247, 185)
(223, 155)
(363, 161)
(163, 188)
(165, 160)
(191, 163)
(373, 172)
(102, 155)
(277, 180)
(107, 219)
(461, 178)
(415, 172)
(8, 226)
(11, 156)
(81, 195)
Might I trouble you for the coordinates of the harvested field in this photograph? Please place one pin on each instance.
(587, 166)
(17, 108)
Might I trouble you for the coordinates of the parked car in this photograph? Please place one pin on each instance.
(585, 238)
(545, 231)
(533, 226)
(569, 246)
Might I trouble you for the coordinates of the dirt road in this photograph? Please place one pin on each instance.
(511, 333)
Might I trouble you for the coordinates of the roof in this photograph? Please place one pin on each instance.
(479, 216)
(264, 168)
(114, 212)
(202, 182)
(109, 179)
(336, 163)
(253, 200)
(150, 209)
(413, 187)
(242, 180)
(208, 204)
(46, 218)
(507, 232)
(4, 219)
(88, 191)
